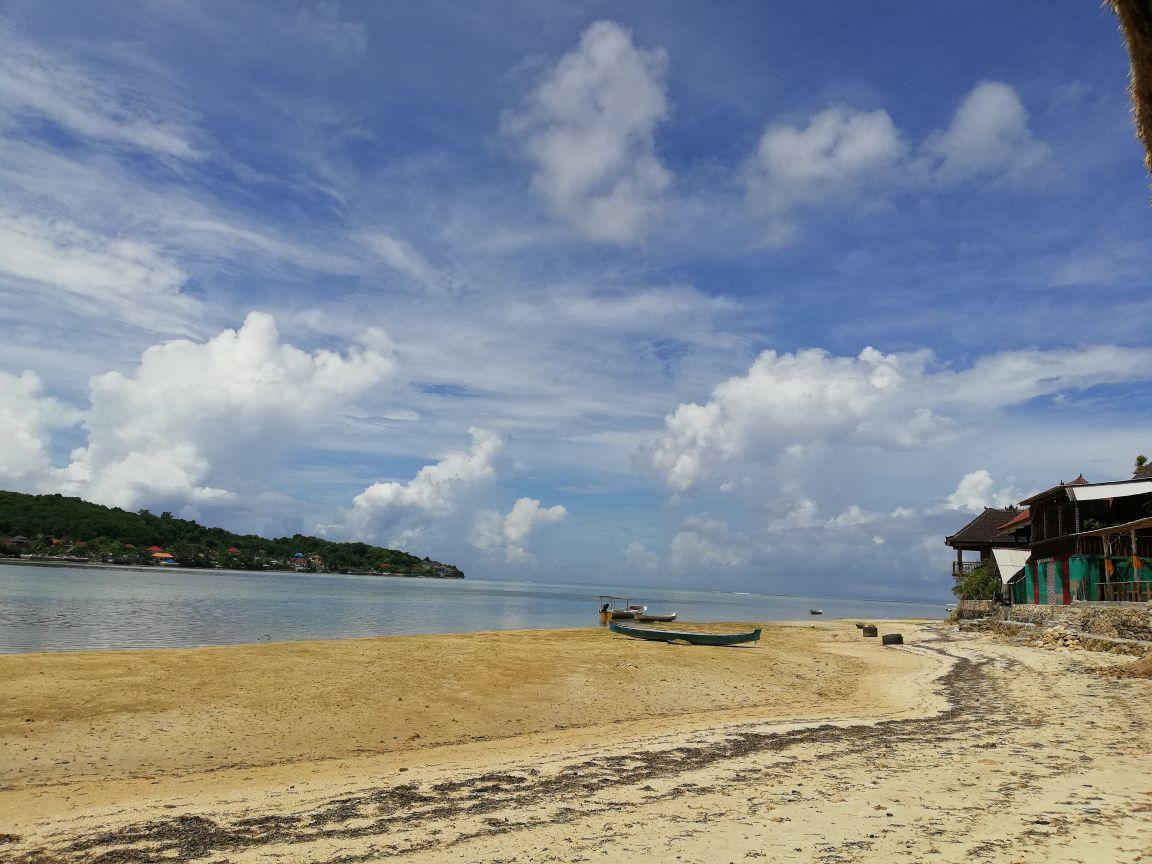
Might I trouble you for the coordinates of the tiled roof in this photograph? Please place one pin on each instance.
(985, 528)
(1021, 518)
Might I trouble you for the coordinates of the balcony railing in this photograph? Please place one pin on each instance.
(963, 568)
(1125, 592)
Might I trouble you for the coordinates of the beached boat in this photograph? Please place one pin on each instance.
(681, 636)
(613, 607)
(629, 613)
(671, 616)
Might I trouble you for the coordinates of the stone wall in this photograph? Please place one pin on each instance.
(968, 610)
(1058, 636)
(1124, 621)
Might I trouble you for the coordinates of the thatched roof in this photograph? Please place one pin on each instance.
(984, 529)
(1136, 23)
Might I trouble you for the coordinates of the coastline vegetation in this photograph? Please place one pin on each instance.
(70, 529)
(978, 584)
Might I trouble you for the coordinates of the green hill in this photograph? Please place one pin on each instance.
(60, 527)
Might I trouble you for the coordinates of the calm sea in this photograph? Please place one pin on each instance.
(62, 609)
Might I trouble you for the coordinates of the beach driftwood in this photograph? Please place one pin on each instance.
(869, 630)
(892, 639)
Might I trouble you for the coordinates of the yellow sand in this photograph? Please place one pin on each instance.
(815, 745)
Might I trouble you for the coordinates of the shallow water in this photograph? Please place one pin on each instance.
(62, 608)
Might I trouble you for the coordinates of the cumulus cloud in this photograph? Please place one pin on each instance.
(510, 534)
(977, 490)
(705, 543)
(855, 158)
(589, 129)
(804, 513)
(28, 418)
(836, 155)
(893, 401)
(194, 418)
(640, 560)
(789, 399)
(432, 495)
(989, 136)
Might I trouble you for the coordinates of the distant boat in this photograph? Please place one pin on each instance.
(680, 636)
(652, 618)
(815, 611)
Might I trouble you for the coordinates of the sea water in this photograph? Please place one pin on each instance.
(64, 608)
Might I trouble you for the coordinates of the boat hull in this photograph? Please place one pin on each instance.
(653, 618)
(681, 636)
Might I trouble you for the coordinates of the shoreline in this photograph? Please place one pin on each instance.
(702, 626)
(100, 565)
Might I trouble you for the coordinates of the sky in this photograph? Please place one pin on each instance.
(755, 296)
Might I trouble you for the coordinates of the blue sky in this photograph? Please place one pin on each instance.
(746, 297)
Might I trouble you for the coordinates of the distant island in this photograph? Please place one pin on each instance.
(55, 528)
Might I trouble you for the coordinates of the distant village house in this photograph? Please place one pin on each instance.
(1075, 542)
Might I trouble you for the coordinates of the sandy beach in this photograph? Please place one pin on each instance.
(577, 745)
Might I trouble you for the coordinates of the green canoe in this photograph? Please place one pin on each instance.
(679, 635)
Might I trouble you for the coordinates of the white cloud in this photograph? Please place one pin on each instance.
(194, 418)
(988, 136)
(94, 105)
(28, 418)
(400, 256)
(851, 158)
(853, 517)
(511, 533)
(130, 279)
(835, 156)
(892, 401)
(433, 494)
(804, 514)
(789, 399)
(640, 560)
(705, 543)
(589, 128)
(977, 490)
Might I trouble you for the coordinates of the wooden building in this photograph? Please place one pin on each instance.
(981, 536)
(1087, 542)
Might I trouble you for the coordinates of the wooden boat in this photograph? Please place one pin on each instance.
(611, 608)
(630, 613)
(681, 636)
(651, 618)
